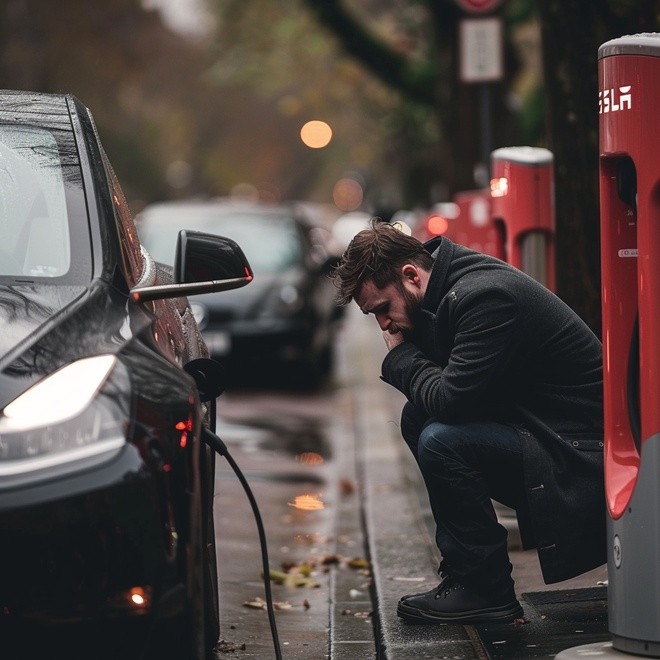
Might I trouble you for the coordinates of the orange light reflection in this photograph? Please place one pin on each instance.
(307, 502)
(309, 458)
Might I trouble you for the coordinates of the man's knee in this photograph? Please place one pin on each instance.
(411, 422)
(438, 443)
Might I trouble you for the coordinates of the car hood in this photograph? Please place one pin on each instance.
(43, 326)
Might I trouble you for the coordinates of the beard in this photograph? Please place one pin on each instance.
(412, 305)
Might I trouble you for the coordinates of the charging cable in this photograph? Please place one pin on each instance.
(213, 441)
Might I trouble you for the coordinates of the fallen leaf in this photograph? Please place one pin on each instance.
(223, 646)
(256, 603)
(346, 486)
(292, 579)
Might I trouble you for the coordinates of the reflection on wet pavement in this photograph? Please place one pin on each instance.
(307, 502)
(291, 435)
(288, 461)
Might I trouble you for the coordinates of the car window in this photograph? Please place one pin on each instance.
(271, 242)
(34, 225)
(271, 245)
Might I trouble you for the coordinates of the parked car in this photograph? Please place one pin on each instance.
(286, 319)
(346, 226)
(106, 488)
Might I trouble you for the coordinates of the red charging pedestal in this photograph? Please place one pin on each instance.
(629, 107)
(473, 226)
(465, 220)
(523, 207)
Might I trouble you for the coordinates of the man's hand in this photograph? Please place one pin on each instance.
(392, 340)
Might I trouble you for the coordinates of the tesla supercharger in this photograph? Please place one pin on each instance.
(629, 106)
(473, 226)
(466, 220)
(523, 207)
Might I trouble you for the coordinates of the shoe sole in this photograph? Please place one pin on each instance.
(502, 614)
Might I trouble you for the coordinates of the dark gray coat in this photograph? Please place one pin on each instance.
(491, 343)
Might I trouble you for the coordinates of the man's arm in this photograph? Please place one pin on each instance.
(477, 375)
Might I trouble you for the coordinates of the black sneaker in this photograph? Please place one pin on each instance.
(453, 602)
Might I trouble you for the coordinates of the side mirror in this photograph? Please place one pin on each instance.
(202, 257)
(204, 263)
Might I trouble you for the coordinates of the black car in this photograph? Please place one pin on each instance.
(286, 319)
(106, 511)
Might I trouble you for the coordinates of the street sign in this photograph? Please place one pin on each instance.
(480, 44)
(478, 6)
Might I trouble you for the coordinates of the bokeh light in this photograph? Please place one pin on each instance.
(316, 134)
(347, 194)
(437, 225)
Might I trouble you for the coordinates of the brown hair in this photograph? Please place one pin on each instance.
(376, 254)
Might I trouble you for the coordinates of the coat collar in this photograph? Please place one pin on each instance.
(423, 334)
(442, 250)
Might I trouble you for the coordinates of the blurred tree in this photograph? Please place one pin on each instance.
(168, 129)
(404, 112)
(572, 30)
(278, 50)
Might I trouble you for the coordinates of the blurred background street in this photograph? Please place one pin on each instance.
(360, 106)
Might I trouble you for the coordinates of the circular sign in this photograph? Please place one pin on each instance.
(478, 6)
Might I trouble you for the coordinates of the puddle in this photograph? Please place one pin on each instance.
(303, 438)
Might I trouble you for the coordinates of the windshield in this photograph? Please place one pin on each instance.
(271, 242)
(34, 227)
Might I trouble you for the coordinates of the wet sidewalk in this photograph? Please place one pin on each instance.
(399, 534)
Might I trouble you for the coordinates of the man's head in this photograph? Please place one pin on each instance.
(386, 272)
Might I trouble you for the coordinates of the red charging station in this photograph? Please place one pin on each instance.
(465, 220)
(629, 103)
(473, 227)
(523, 207)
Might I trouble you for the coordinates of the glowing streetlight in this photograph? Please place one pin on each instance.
(316, 134)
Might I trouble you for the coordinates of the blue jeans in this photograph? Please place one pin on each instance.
(464, 466)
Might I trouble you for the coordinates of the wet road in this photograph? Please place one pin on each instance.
(295, 450)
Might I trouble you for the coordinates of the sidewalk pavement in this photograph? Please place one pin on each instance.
(398, 534)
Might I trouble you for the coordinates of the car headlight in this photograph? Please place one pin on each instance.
(68, 416)
(286, 300)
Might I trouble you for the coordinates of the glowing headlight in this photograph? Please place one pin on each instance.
(290, 296)
(61, 419)
(281, 302)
